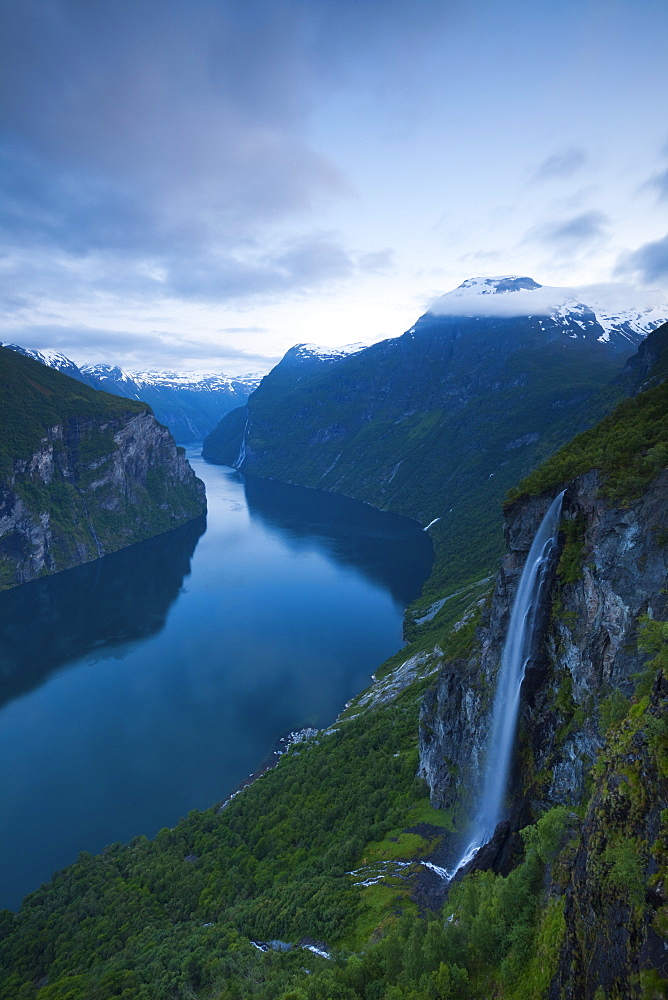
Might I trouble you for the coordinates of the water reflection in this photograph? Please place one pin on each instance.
(386, 548)
(90, 610)
(129, 696)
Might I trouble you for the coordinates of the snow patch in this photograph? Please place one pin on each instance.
(615, 309)
(327, 353)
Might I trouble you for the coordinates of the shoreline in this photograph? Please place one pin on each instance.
(288, 739)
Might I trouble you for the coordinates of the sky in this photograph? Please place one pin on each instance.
(200, 184)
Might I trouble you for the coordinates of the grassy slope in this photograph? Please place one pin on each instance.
(629, 447)
(34, 398)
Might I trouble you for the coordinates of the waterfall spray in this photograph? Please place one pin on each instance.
(516, 653)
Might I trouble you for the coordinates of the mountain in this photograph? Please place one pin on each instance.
(439, 423)
(82, 473)
(336, 852)
(593, 713)
(522, 296)
(189, 405)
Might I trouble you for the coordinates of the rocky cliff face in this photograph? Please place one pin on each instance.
(616, 901)
(612, 568)
(578, 744)
(92, 485)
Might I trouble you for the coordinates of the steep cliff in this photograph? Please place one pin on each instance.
(82, 473)
(611, 570)
(593, 719)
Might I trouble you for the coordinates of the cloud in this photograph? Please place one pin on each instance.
(660, 183)
(377, 261)
(295, 265)
(648, 263)
(148, 148)
(214, 274)
(133, 127)
(561, 165)
(84, 344)
(565, 235)
(605, 297)
(243, 329)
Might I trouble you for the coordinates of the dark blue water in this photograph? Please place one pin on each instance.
(154, 681)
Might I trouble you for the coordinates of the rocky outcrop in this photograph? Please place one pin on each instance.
(92, 485)
(613, 566)
(616, 906)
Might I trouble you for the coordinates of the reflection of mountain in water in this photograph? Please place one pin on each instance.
(390, 550)
(121, 598)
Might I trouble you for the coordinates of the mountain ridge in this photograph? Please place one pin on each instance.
(189, 404)
(436, 424)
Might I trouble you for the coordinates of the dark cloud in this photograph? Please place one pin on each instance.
(179, 272)
(649, 263)
(562, 164)
(568, 234)
(157, 135)
(301, 264)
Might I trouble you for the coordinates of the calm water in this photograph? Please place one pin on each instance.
(154, 681)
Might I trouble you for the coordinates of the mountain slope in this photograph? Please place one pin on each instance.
(82, 472)
(438, 423)
(332, 845)
(189, 405)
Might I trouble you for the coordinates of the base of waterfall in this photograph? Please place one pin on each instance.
(448, 863)
(429, 877)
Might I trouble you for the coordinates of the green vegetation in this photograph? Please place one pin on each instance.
(629, 448)
(34, 398)
(449, 449)
(176, 917)
(57, 456)
(569, 569)
(272, 864)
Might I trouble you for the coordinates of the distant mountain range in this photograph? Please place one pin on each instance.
(439, 423)
(189, 405)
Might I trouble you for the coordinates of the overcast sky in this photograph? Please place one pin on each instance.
(200, 184)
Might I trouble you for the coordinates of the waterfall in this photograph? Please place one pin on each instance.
(242, 450)
(516, 654)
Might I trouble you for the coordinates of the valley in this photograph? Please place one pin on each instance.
(344, 848)
(154, 681)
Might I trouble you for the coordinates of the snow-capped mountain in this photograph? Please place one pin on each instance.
(590, 312)
(326, 353)
(190, 404)
(52, 359)
(113, 375)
